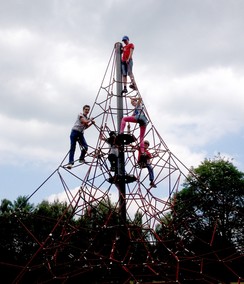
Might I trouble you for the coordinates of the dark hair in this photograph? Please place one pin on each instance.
(112, 133)
(112, 138)
(86, 106)
(146, 142)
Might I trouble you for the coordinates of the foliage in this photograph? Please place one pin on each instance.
(219, 189)
(208, 216)
(205, 225)
(24, 228)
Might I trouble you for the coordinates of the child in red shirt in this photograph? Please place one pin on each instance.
(144, 160)
(127, 64)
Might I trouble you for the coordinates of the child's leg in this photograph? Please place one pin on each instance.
(130, 73)
(73, 139)
(84, 145)
(150, 171)
(124, 79)
(124, 68)
(124, 120)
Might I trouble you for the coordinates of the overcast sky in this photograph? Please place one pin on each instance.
(188, 64)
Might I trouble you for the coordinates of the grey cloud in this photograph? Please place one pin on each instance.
(54, 54)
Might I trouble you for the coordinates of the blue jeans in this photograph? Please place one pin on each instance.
(77, 136)
(150, 172)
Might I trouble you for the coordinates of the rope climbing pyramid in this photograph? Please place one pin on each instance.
(152, 200)
(117, 204)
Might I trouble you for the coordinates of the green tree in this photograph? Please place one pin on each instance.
(218, 187)
(24, 230)
(6, 207)
(22, 204)
(207, 218)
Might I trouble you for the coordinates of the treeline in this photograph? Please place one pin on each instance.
(199, 240)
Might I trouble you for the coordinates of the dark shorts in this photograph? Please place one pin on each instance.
(126, 68)
(142, 120)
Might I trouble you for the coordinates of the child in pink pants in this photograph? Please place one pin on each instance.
(137, 117)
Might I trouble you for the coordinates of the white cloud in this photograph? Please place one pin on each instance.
(187, 64)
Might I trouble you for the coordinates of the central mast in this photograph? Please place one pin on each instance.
(121, 163)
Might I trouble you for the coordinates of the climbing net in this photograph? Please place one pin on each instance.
(119, 250)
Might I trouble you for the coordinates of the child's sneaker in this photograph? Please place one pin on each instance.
(125, 90)
(132, 86)
(69, 166)
(152, 184)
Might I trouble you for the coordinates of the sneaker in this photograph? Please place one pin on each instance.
(81, 160)
(152, 184)
(69, 166)
(132, 86)
(125, 90)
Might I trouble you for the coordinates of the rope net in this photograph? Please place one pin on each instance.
(105, 245)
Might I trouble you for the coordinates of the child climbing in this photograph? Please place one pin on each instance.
(127, 64)
(77, 135)
(113, 150)
(145, 161)
(138, 116)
